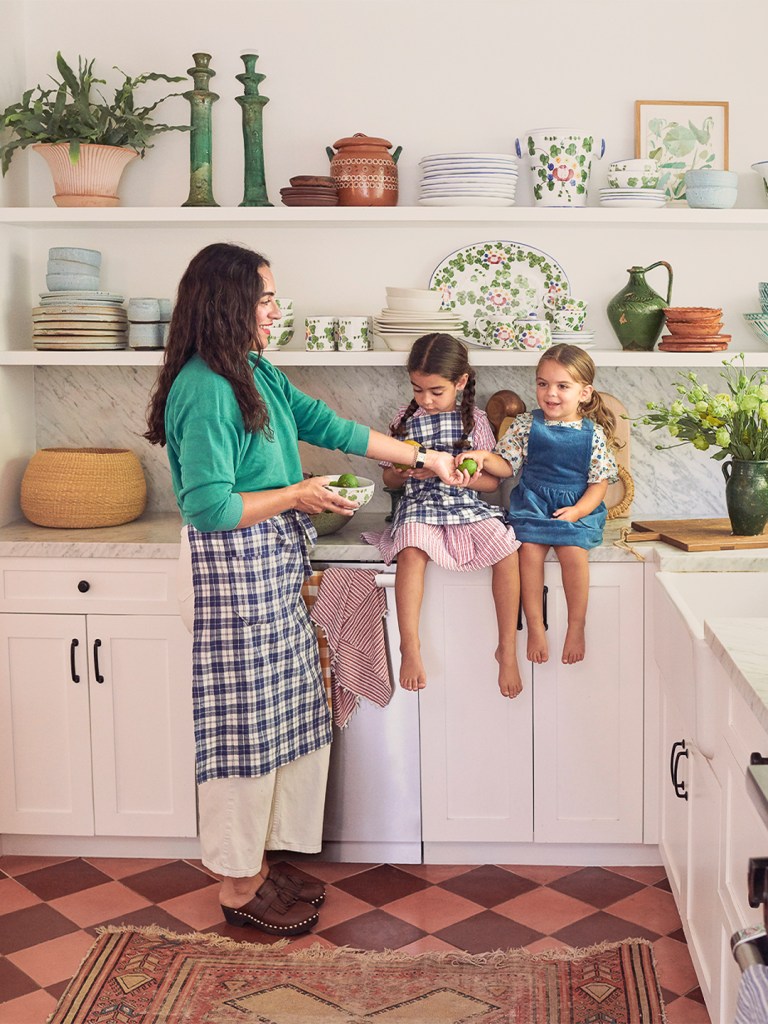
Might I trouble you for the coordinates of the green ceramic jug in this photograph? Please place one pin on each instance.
(636, 313)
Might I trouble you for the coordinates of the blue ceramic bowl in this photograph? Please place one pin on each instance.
(711, 197)
(68, 252)
(73, 282)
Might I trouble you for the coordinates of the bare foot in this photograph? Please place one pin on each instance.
(510, 682)
(574, 647)
(412, 673)
(538, 649)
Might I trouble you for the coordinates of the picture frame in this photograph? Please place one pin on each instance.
(681, 135)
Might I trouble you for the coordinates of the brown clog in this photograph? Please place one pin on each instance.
(273, 910)
(305, 889)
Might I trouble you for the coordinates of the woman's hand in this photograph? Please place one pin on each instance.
(442, 464)
(312, 496)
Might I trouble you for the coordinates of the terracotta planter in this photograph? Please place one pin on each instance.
(93, 180)
(364, 172)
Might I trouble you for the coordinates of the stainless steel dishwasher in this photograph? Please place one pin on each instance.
(373, 805)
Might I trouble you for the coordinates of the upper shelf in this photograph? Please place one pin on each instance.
(352, 216)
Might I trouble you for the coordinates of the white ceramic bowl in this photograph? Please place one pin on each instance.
(642, 166)
(330, 522)
(361, 494)
(71, 267)
(67, 252)
(429, 304)
(632, 179)
(73, 282)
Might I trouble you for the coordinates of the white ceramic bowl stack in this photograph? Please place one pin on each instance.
(632, 184)
(410, 313)
(148, 319)
(468, 179)
(74, 314)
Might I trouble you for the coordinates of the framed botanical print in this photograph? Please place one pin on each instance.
(681, 135)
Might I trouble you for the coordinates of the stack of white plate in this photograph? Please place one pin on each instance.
(468, 179)
(637, 198)
(410, 313)
(584, 339)
(74, 320)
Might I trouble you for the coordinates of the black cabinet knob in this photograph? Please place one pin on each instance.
(83, 586)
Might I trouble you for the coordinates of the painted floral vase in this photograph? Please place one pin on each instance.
(364, 171)
(746, 496)
(561, 163)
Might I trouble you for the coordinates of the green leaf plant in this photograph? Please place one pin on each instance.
(75, 111)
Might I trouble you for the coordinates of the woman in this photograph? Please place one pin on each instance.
(232, 422)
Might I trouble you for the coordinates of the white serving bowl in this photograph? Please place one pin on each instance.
(412, 293)
(361, 494)
(421, 305)
(759, 324)
(632, 179)
(639, 166)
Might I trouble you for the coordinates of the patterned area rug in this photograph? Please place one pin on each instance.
(154, 976)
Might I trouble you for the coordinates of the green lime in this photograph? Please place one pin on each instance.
(347, 480)
(469, 465)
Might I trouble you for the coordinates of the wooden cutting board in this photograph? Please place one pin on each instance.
(694, 534)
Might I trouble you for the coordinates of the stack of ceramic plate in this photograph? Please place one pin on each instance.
(633, 198)
(584, 339)
(310, 190)
(468, 179)
(74, 320)
(410, 313)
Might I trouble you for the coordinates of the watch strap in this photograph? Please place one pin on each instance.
(421, 457)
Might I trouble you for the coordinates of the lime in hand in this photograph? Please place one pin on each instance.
(469, 466)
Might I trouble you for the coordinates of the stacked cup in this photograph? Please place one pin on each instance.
(633, 183)
(148, 321)
(280, 333)
(568, 317)
(338, 333)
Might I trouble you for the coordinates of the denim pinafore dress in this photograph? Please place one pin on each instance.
(555, 474)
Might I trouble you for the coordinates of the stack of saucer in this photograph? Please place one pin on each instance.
(468, 179)
(584, 339)
(632, 183)
(411, 312)
(74, 320)
(310, 190)
(694, 329)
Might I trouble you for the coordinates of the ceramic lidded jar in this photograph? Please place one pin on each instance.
(364, 171)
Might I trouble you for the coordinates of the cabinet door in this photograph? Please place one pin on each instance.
(588, 717)
(45, 743)
(674, 797)
(476, 746)
(141, 725)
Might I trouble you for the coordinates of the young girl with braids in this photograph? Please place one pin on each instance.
(447, 524)
(564, 448)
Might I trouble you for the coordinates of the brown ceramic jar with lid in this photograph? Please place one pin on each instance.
(364, 171)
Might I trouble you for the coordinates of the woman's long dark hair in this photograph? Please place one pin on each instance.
(215, 318)
(444, 356)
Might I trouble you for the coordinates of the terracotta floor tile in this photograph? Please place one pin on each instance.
(120, 867)
(651, 907)
(14, 896)
(429, 944)
(596, 886)
(488, 885)
(329, 871)
(545, 910)
(436, 872)
(340, 906)
(35, 924)
(541, 874)
(374, 930)
(55, 960)
(602, 927)
(13, 981)
(546, 945)
(432, 909)
(648, 874)
(381, 884)
(99, 904)
(674, 965)
(168, 881)
(16, 865)
(63, 879)
(31, 1009)
(488, 931)
(199, 909)
(686, 1011)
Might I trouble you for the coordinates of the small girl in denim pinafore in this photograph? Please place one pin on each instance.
(564, 448)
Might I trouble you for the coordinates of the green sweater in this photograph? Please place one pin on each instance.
(214, 458)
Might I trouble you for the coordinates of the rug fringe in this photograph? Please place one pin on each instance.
(155, 931)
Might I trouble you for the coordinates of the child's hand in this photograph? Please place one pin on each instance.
(567, 514)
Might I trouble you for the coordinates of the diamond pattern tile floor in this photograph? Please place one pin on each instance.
(51, 907)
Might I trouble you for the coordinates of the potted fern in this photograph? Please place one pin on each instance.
(86, 140)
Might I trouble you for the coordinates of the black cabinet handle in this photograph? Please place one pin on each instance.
(520, 614)
(73, 673)
(674, 762)
(83, 586)
(757, 758)
(544, 606)
(96, 646)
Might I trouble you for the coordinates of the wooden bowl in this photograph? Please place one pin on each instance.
(686, 329)
(691, 314)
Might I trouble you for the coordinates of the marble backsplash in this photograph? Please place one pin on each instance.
(105, 407)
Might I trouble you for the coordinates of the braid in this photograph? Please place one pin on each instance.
(398, 430)
(467, 410)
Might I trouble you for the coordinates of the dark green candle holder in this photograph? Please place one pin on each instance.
(252, 104)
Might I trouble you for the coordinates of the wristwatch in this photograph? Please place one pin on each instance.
(421, 457)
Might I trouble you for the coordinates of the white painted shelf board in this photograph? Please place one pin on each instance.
(176, 217)
(299, 357)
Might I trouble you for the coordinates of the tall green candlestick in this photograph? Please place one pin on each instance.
(201, 100)
(255, 193)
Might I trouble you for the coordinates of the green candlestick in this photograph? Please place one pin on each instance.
(252, 104)
(201, 100)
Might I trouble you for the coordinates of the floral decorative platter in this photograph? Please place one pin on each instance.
(497, 278)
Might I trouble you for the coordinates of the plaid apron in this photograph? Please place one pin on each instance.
(431, 501)
(257, 689)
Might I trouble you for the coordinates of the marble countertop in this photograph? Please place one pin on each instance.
(741, 647)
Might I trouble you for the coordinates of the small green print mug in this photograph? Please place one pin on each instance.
(353, 333)
(319, 335)
(570, 315)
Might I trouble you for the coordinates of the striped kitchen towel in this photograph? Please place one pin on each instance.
(309, 590)
(351, 609)
(752, 1007)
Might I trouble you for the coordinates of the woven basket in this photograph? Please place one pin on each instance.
(83, 487)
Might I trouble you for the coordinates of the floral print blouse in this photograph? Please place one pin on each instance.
(513, 447)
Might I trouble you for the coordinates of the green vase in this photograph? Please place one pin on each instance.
(746, 496)
(636, 313)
